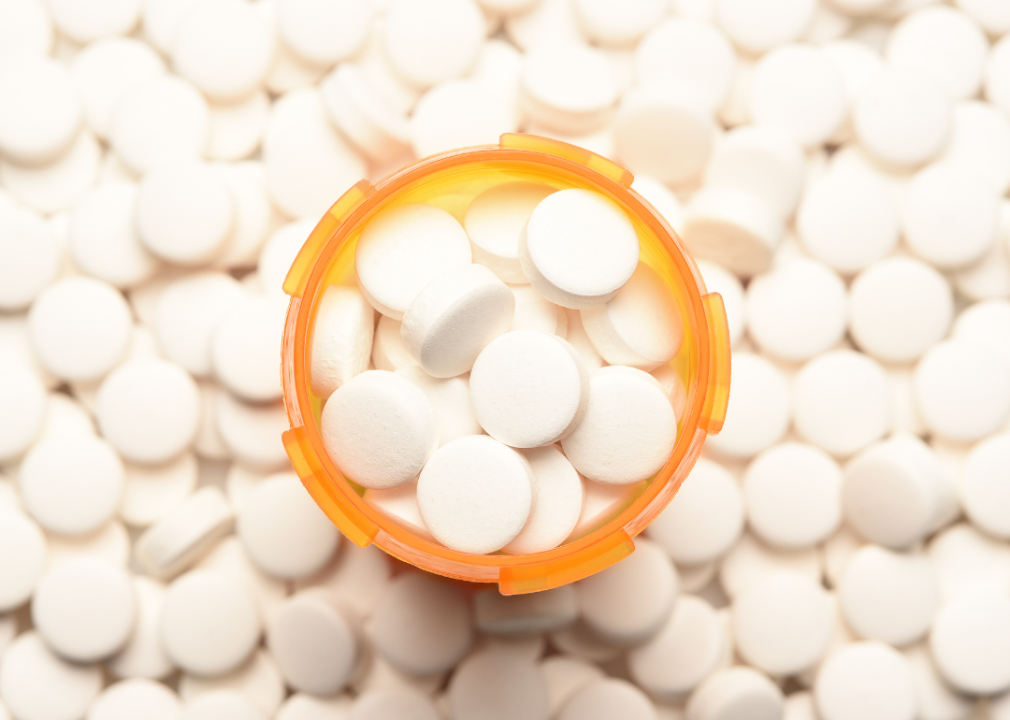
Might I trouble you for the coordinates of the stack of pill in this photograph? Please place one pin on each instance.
(459, 352)
(840, 170)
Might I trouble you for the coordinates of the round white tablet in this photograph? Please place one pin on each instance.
(163, 119)
(252, 433)
(962, 389)
(902, 117)
(628, 431)
(245, 351)
(153, 491)
(896, 491)
(980, 139)
(324, 33)
(144, 655)
(996, 74)
(222, 705)
(889, 596)
(388, 703)
(361, 112)
(183, 535)
(80, 328)
(313, 642)
(968, 562)
(58, 185)
(209, 623)
(983, 487)
(284, 531)
(512, 685)
(736, 692)
(434, 40)
(308, 164)
(388, 352)
(230, 558)
(302, 706)
(558, 502)
(749, 561)
(236, 128)
(72, 485)
(718, 279)
(459, 113)
(149, 410)
(421, 624)
(759, 411)
(987, 323)
(935, 698)
(865, 680)
(567, 86)
(138, 697)
(402, 249)
(476, 517)
(565, 675)
(533, 312)
(342, 339)
(970, 643)
(793, 493)
(21, 570)
(600, 699)
(450, 398)
(757, 27)
(36, 684)
(29, 256)
(494, 222)
(84, 608)
(23, 409)
(40, 110)
(379, 429)
(258, 680)
(27, 29)
(519, 617)
(528, 388)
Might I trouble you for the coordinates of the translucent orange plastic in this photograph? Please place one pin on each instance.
(451, 181)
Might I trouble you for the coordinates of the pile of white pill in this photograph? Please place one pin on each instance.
(839, 168)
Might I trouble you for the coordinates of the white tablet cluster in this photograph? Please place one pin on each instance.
(458, 353)
(840, 170)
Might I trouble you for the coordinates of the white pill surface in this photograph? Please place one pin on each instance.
(970, 643)
(136, 697)
(750, 561)
(324, 33)
(640, 326)
(757, 27)
(22, 569)
(28, 29)
(512, 685)
(222, 705)
(986, 323)
(153, 491)
(968, 562)
(36, 684)
(302, 706)
(388, 352)
(476, 517)
(421, 625)
(980, 139)
(514, 616)
(888, 596)
(759, 411)
(23, 409)
(399, 703)
(342, 339)
(144, 656)
(793, 494)
(252, 433)
(567, 87)
(628, 431)
(41, 110)
(245, 349)
(230, 558)
(57, 185)
(400, 505)
(182, 536)
(603, 698)
(84, 608)
(557, 506)
(236, 128)
(736, 692)
(284, 531)
(494, 222)
(865, 680)
(29, 256)
(579, 248)
(209, 623)
(982, 487)
(431, 41)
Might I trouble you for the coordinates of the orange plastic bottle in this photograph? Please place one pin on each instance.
(451, 181)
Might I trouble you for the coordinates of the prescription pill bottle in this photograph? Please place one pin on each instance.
(450, 181)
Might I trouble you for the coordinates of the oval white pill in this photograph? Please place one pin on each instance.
(738, 691)
(640, 326)
(28, 666)
(40, 109)
(579, 248)
(862, 680)
(84, 608)
(494, 222)
(403, 249)
(759, 411)
(245, 350)
(342, 339)
(970, 643)
(379, 429)
(21, 570)
(284, 531)
(476, 517)
(558, 502)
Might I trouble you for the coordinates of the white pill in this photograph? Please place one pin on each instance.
(209, 623)
(564, 676)
(144, 655)
(533, 312)
(519, 616)
(308, 164)
(72, 485)
(542, 22)
(400, 505)
(398, 703)
(903, 117)
(983, 488)
(388, 352)
(431, 41)
(21, 570)
(528, 388)
(279, 252)
(567, 86)
(684, 652)
(37, 685)
(750, 561)
(402, 250)
(662, 130)
(84, 609)
(58, 185)
(762, 26)
(379, 429)
(841, 402)
(469, 517)
(896, 491)
(605, 698)
(313, 642)
(793, 494)
(601, 502)
(222, 705)
(704, 518)
(718, 279)
(421, 625)
(980, 140)
(230, 558)
(732, 227)
(494, 222)
(302, 706)
(450, 398)
(185, 534)
(27, 29)
(163, 119)
(41, 110)
(848, 219)
(606, 26)
(962, 390)
(735, 692)
(381, 675)
(968, 562)
(889, 596)
(935, 698)
(236, 128)
(512, 685)
(577, 337)
(23, 409)
(760, 408)
(252, 433)
(946, 201)
(607, 446)
(151, 492)
(342, 339)
(361, 112)
(139, 697)
(459, 112)
(557, 506)
(110, 544)
(970, 643)
(865, 680)
(990, 277)
(245, 350)
(29, 256)
(284, 531)
(80, 328)
(324, 33)
(640, 326)
(996, 74)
